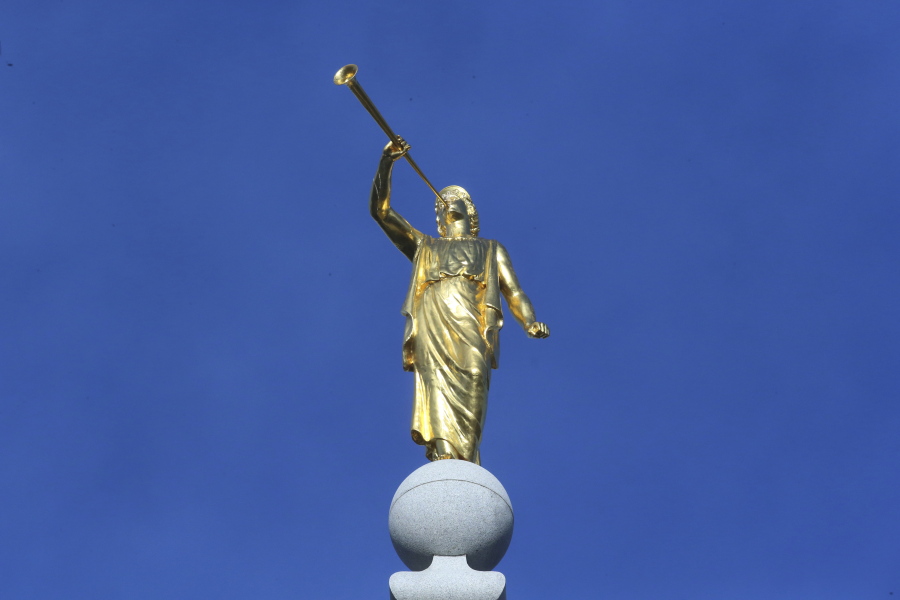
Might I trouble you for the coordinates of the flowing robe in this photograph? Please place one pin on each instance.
(453, 318)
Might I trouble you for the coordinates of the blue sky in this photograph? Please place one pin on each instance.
(201, 391)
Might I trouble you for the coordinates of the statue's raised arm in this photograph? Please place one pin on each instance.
(406, 237)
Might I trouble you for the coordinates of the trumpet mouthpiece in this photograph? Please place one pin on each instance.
(345, 75)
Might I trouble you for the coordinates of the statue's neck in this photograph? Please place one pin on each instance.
(457, 231)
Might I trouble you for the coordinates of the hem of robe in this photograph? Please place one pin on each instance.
(418, 438)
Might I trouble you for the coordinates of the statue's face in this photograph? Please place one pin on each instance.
(455, 218)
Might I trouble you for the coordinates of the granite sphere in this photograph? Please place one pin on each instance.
(451, 508)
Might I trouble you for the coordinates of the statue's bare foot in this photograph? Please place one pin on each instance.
(440, 449)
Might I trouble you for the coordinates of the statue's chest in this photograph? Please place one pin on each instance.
(455, 256)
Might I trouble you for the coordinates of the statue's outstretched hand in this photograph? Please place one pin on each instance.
(393, 151)
(538, 330)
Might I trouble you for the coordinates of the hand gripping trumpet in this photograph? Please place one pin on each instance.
(347, 76)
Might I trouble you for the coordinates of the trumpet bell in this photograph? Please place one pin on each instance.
(345, 75)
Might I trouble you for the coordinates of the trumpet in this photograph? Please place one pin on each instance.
(347, 76)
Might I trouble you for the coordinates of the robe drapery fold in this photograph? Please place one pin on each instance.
(453, 319)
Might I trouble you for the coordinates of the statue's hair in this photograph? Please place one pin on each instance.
(455, 192)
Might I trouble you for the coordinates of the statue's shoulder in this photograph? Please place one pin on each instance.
(489, 246)
(484, 243)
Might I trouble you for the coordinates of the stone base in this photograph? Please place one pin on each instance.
(451, 508)
(450, 521)
(448, 578)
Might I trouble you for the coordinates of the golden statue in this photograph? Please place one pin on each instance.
(452, 307)
(453, 315)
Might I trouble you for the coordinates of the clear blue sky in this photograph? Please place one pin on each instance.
(201, 393)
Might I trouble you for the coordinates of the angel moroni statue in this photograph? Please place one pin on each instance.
(450, 521)
(453, 314)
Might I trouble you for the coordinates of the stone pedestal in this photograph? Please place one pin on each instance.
(448, 578)
(451, 522)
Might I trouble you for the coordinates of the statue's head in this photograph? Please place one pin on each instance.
(456, 215)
